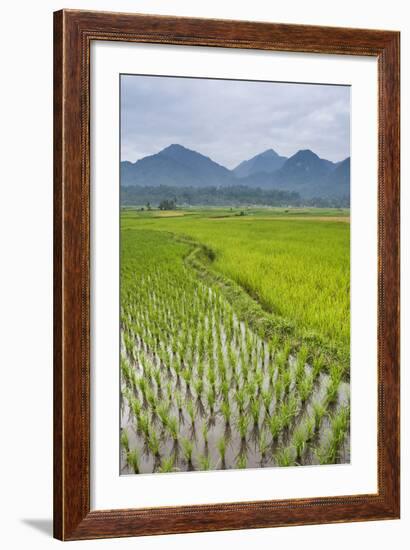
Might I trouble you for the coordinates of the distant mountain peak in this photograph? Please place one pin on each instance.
(269, 153)
(305, 154)
(175, 165)
(306, 170)
(176, 147)
(183, 154)
(266, 162)
(307, 159)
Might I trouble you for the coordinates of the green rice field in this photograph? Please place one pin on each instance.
(235, 336)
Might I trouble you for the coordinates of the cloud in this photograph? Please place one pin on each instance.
(231, 120)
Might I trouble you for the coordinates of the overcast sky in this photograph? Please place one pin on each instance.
(231, 120)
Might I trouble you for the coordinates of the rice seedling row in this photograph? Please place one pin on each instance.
(200, 390)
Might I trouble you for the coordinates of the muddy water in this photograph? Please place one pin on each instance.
(205, 451)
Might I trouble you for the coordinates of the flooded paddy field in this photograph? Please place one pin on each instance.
(200, 389)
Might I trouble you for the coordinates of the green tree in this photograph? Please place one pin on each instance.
(167, 204)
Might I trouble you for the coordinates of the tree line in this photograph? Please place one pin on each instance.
(168, 198)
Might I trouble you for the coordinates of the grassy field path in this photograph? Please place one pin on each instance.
(296, 269)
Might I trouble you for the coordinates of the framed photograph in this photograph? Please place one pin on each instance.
(226, 275)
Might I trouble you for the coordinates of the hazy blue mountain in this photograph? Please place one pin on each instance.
(154, 170)
(267, 162)
(304, 173)
(337, 182)
(311, 176)
(175, 165)
(303, 167)
(200, 164)
(341, 174)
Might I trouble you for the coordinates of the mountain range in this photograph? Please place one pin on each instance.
(304, 172)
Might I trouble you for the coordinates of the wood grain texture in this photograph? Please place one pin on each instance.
(73, 33)
(58, 274)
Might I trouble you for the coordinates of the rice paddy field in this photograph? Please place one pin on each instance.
(235, 335)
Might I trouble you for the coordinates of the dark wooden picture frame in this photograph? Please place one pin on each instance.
(73, 33)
